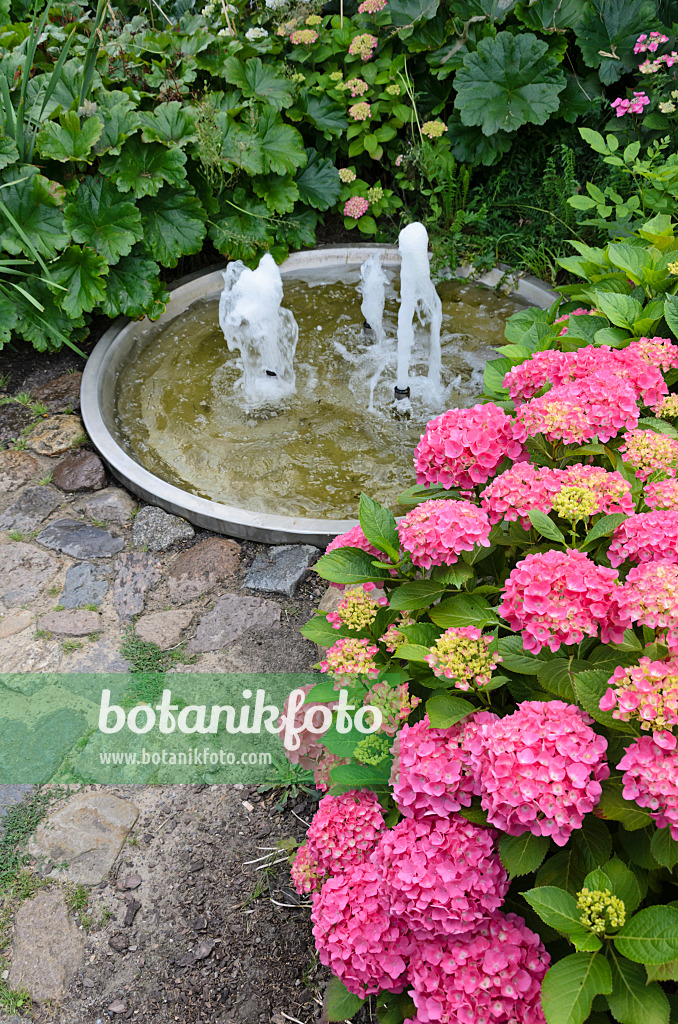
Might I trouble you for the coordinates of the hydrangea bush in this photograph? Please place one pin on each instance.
(504, 849)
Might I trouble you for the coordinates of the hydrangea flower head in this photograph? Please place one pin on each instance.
(354, 538)
(356, 207)
(442, 876)
(461, 654)
(662, 495)
(600, 910)
(436, 532)
(651, 779)
(611, 491)
(540, 769)
(356, 86)
(360, 111)
(492, 976)
(646, 537)
(668, 407)
(623, 106)
(519, 490)
(599, 406)
(371, 6)
(433, 129)
(357, 609)
(356, 934)
(660, 352)
(523, 382)
(395, 703)
(304, 37)
(650, 597)
(646, 693)
(464, 447)
(346, 175)
(559, 597)
(363, 46)
(310, 747)
(349, 659)
(651, 42)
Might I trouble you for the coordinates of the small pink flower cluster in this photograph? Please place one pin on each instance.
(648, 693)
(395, 703)
(612, 491)
(648, 452)
(668, 408)
(579, 311)
(651, 779)
(559, 597)
(464, 447)
(646, 537)
(441, 876)
(539, 769)
(310, 753)
(650, 597)
(599, 406)
(363, 46)
(436, 532)
(356, 207)
(360, 111)
(661, 352)
(525, 380)
(432, 767)
(354, 538)
(358, 608)
(651, 67)
(461, 655)
(349, 659)
(635, 106)
(344, 832)
(371, 6)
(489, 977)
(356, 86)
(304, 36)
(651, 42)
(662, 494)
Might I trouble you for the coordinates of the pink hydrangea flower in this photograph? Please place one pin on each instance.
(360, 111)
(356, 207)
(539, 769)
(324, 765)
(647, 693)
(356, 86)
(646, 537)
(648, 452)
(611, 490)
(310, 747)
(461, 654)
(354, 538)
(651, 779)
(661, 352)
(356, 934)
(519, 490)
(524, 381)
(599, 406)
(349, 659)
(464, 447)
(662, 494)
(304, 36)
(363, 46)
(492, 976)
(344, 832)
(436, 532)
(559, 597)
(357, 609)
(432, 768)
(396, 703)
(442, 876)
(371, 6)
(668, 408)
(651, 42)
(650, 597)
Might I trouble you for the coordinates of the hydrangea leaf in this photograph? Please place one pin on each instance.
(173, 225)
(101, 218)
(416, 595)
(665, 848)
(34, 201)
(170, 123)
(509, 81)
(319, 183)
(608, 31)
(322, 632)
(650, 936)
(521, 855)
(443, 709)
(570, 986)
(81, 271)
(69, 140)
(259, 81)
(348, 565)
(279, 193)
(555, 906)
(143, 168)
(339, 1003)
(129, 287)
(632, 999)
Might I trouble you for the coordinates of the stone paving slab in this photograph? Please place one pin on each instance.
(26, 571)
(55, 435)
(33, 506)
(16, 469)
(80, 471)
(80, 540)
(280, 570)
(232, 616)
(86, 583)
(156, 530)
(138, 572)
(48, 948)
(202, 568)
(112, 506)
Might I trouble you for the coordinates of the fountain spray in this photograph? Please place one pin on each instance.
(417, 296)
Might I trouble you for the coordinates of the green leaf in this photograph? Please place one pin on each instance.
(68, 140)
(463, 610)
(34, 203)
(452, 575)
(319, 183)
(407, 12)
(143, 168)
(339, 1004)
(348, 565)
(570, 986)
(359, 776)
(550, 15)
(632, 1000)
(622, 310)
(555, 906)
(259, 81)
(98, 217)
(172, 123)
(129, 290)
(412, 652)
(662, 972)
(545, 526)
(593, 842)
(9, 154)
(321, 632)
(81, 271)
(507, 82)
(516, 658)
(379, 526)
(412, 596)
(120, 120)
(521, 855)
(603, 528)
(664, 848)
(621, 882)
(590, 688)
(281, 145)
(174, 225)
(445, 710)
(557, 676)
(671, 313)
(279, 193)
(607, 32)
(341, 744)
(650, 936)
(8, 319)
(565, 870)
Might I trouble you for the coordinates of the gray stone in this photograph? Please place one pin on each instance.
(30, 508)
(112, 506)
(202, 568)
(280, 570)
(80, 471)
(48, 947)
(163, 628)
(330, 599)
(25, 571)
(155, 529)
(138, 572)
(86, 834)
(86, 583)
(232, 616)
(17, 469)
(101, 656)
(55, 435)
(16, 623)
(60, 394)
(70, 623)
(80, 540)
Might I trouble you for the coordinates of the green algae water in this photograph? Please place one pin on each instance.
(183, 416)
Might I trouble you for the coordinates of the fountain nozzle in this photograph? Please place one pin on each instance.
(271, 373)
(401, 393)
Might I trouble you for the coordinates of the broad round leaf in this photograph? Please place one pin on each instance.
(99, 217)
(174, 225)
(143, 168)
